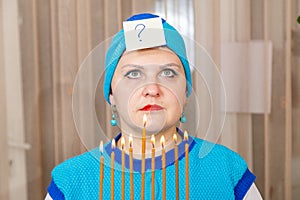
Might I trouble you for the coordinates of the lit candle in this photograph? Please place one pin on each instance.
(186, 137)
(176, 166)
(123, 167)
(143, 156)
(131, 168)
(101, 170)
(163, 167)
(112, 165)
(153, 166)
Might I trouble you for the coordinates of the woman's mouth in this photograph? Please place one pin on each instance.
(151, 108)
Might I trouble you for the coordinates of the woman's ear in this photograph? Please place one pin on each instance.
(112, 99)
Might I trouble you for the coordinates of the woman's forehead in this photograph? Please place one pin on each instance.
(158, 55)
(149, 50)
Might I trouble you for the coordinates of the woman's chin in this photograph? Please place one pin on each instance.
(156, 122)
(154, 130)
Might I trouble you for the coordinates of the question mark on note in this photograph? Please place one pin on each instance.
(141, 28)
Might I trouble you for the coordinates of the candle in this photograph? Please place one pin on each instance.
(176, 166)
(112, 165)
(101, 170)
(153, 166)
(186, 164)
(131, 168)
(123, 167)
(163, 167)
(143, 156)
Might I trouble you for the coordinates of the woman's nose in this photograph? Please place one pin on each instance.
(151, 90)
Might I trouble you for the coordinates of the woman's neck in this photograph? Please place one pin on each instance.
(137, 142)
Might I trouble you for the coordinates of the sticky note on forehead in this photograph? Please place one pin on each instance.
(145, 33)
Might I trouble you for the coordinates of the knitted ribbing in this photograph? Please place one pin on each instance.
(216, 176)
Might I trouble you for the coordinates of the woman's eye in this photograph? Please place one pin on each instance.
(133, 74)
(168, 73)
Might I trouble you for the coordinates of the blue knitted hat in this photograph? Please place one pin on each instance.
(174, 41)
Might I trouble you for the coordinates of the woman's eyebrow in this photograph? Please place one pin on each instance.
(161, 66)
(132, 65)
(170, 65)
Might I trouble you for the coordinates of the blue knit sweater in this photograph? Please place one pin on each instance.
(221, 174)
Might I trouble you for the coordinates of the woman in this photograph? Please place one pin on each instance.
(153, 82)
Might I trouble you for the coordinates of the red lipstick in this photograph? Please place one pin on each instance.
(151, 108)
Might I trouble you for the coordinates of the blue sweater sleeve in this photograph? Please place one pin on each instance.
(244, 185)
(54, 191)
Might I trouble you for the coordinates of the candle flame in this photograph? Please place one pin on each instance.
(162, 141)
(113, 144)
(175, 138)
(144, 120)
(153, 141)
(122, 142)
(186, 136)
(101, 146)
(130, 140)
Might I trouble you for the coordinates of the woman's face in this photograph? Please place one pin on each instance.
(152, 82)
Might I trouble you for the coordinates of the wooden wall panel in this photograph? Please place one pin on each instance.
(112, 24)
(259, 151)
(68, 66)
(257, 32)
(14, 98)
(295, 100)
(30, 83)
(97, 38)
(244, 120)
(84, 46)
(97, 22)
(296, 82)
(288, 102)
(45, 95)
(55, 90)
(207, 34)
(145, 6)
(235, 27)
(271, 152)
(277, 140)
(228, 34)
(4, 165)
(112, 17)
(127, 9)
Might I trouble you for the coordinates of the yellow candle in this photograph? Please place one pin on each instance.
(153, 167)
(101, 170)
(112, 165)
(186, 164)
(123, 167)
(143, 156)
(131, 168)
(176, 166)
(163, 163)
